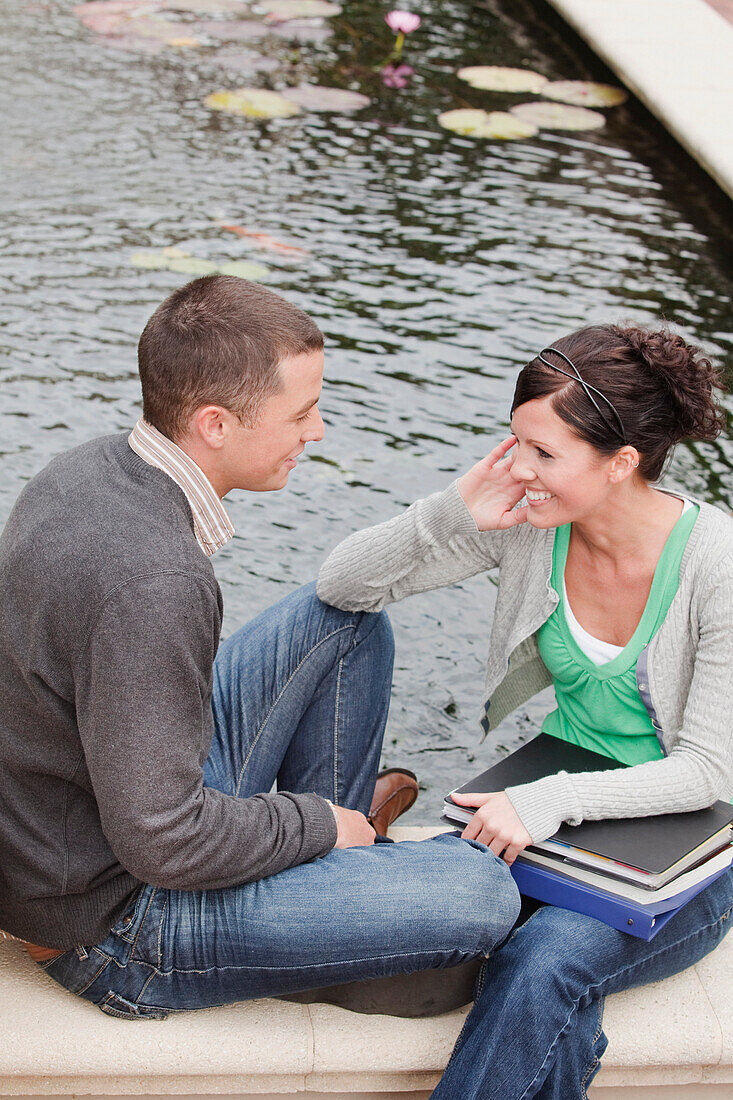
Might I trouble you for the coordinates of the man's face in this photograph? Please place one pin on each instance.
(260, 458)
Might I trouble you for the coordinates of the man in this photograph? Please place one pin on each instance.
(139, 843)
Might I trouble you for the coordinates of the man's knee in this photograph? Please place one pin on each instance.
(483, 891)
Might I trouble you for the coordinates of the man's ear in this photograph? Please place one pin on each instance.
(211, 425)
(623, 464)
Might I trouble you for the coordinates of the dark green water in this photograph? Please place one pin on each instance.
(436, 267)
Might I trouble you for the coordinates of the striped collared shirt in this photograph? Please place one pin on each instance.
(211, 524)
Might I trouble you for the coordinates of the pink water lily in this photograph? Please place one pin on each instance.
(402, 22)
(397, 76)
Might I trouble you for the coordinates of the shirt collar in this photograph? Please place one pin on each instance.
(211, 524)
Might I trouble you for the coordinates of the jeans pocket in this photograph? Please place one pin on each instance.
(127, 926)
(78, 969)
(114, 1005)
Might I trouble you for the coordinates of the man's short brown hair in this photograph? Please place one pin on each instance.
(218, 341)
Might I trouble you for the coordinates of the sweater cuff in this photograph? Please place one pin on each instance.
(445, 515)
(545, 804)
(320, 831)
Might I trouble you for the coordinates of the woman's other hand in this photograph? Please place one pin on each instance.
(496, 824)
(490, 492)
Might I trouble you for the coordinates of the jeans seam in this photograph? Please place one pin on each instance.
(608, 978)
(142, 922)
(92, 980)
(300, 967)
(160, 932)
(595, 1061)
(284, 688)
(480, 982)
(154, 974)
(336, 733)
(124, 935)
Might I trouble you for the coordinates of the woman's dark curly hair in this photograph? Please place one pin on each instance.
(661, 386)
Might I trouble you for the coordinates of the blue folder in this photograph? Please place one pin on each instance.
(643, 921)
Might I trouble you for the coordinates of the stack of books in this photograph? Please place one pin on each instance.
(631, 873)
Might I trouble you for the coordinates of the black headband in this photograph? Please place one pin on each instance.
(617, 428)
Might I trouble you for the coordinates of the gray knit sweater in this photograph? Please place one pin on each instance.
(685, 675)
(109, 625)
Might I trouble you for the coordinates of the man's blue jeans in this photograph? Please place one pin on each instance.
(536, 1028)
(300, 699)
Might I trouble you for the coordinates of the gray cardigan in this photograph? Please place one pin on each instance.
(685, 675)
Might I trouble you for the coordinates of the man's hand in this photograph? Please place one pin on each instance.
(490, 492)
(496, 824)
(354, 829)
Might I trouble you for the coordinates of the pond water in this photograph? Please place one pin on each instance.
(436, 266)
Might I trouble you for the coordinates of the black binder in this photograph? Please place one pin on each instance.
(659, 846)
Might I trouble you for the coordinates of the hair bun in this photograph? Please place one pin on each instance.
(686, 373)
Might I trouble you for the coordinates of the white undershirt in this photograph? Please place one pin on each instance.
(598, 651)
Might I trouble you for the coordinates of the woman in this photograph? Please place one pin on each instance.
(621, 595)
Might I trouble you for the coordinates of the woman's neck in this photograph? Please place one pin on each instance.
(634, 525)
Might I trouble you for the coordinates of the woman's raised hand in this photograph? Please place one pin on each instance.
(496, 824)
(490, 492)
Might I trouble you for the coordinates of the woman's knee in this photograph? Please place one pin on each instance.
(377, 626)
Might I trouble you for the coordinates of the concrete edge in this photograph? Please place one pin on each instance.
(676, 56)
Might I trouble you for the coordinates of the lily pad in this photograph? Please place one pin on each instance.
(495, 78)
(240, 60)
(557, 116)
(160, 30)
(190, 265)
(253, 103)
(486, 124)
(315, 97)
(244, 269)
(583, 93)
(208, 7)
(302, 30)
(101, 10)
(110, 17)
(299, 9)
(239, 30)
(156, 261)
(132, 44)
(173, 258)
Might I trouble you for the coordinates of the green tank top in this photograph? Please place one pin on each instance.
(599, 706)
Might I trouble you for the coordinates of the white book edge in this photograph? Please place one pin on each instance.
(579, 857)
(617, 888)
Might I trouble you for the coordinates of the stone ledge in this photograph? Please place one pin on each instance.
(668, 1041)
(677, 57)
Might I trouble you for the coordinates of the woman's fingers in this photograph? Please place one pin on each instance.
(500, 450)
(472, 798)
(473, 829)
(514, 517)
(495, 824)
(512, 852)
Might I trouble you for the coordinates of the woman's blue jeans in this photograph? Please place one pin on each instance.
(536, 1028)
(300, 699)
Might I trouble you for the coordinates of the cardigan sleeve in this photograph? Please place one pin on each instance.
(434, 543)
(697, 770)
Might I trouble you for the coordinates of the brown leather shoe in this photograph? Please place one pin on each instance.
(394, 792)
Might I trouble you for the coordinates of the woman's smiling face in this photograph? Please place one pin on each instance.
(564, 478)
